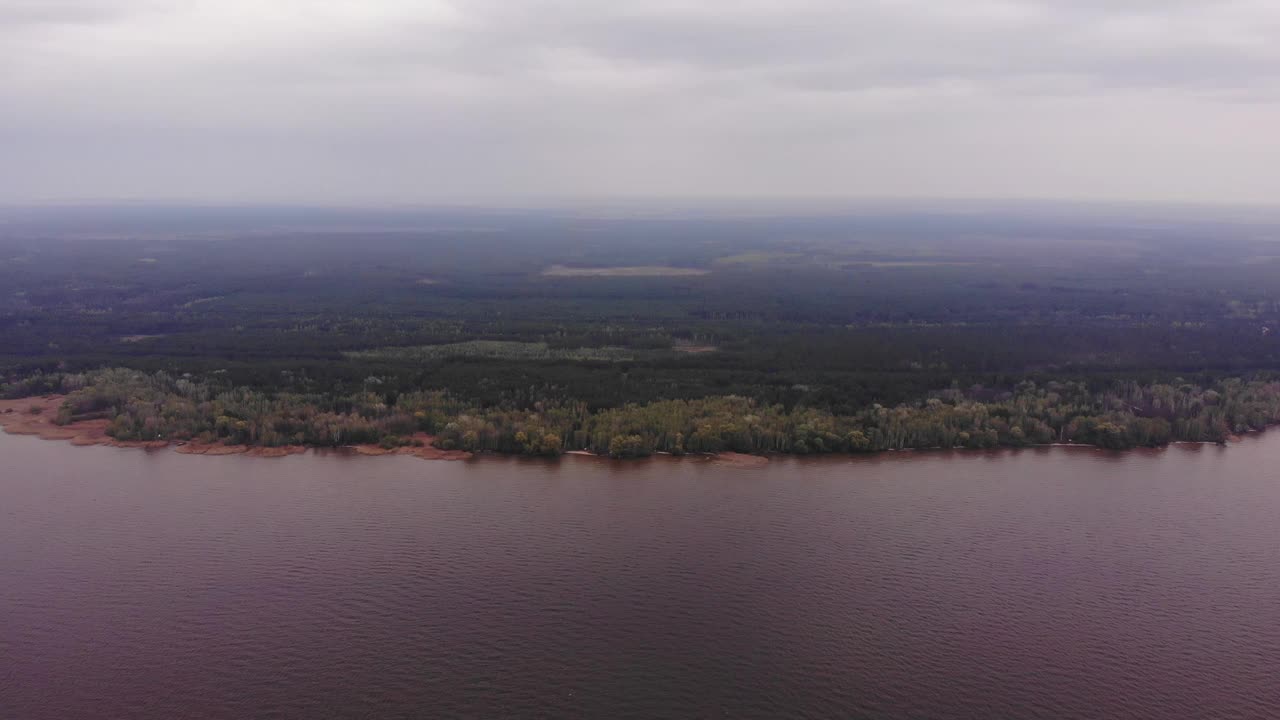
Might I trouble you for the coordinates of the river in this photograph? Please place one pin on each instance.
(1047, 583)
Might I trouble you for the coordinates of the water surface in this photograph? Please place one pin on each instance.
(1055, 583)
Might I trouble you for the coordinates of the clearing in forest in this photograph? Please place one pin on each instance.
(624, 271)
(497, 349)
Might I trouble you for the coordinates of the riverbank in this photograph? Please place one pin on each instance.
(35, 416)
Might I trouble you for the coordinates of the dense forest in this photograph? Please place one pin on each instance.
(159, 406)
(541, 332)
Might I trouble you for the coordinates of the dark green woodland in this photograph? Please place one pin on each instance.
(539, 332)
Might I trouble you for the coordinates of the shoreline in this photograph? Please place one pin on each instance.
(16, 418)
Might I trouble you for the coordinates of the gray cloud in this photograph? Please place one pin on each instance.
(58, 12)
(413, 101)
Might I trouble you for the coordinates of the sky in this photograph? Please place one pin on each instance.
(352, 102)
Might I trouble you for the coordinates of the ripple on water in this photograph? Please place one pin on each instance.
(1056, 584)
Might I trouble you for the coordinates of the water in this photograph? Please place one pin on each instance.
(1059, 583)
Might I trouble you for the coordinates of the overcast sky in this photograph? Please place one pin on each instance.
(428, 101)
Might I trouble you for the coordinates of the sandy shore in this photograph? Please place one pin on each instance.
(739, 460)
(194, 448)
(426, 452)
(727, 459)
(36, 415)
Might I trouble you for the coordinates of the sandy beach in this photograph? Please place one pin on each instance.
(36, 415)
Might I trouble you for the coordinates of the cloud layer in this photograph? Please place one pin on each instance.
(360, 101)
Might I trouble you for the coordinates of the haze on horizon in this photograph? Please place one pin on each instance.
(428, 101)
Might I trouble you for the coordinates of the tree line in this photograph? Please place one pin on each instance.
(1125, 414)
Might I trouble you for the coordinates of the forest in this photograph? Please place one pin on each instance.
(543, 332)
(144, 406)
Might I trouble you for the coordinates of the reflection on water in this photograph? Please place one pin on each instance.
(1041, 583)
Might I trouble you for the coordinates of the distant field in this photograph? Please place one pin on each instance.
(759, 258)
(693, 348)
(623, 271)
(201, 301)
(909, 263)
(498, 349)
